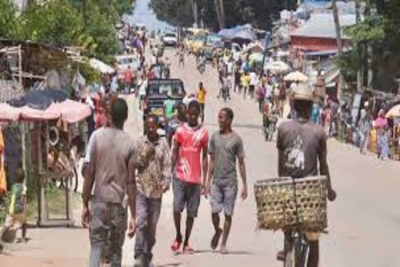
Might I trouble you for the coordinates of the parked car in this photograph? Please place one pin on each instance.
(170, 39)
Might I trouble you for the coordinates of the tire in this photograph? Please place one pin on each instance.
(290, 255)
(296, 252)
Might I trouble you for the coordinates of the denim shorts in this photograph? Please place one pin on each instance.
(186, 194)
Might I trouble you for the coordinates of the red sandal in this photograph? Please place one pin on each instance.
(176, 246)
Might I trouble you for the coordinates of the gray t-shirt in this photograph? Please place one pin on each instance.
(301, 144)
(110, 155)
(226, 148)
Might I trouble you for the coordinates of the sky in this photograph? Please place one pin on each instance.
(143, 15)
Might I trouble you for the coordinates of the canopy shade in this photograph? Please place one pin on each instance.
(101, 66)
(68, 111)
(394, 112)
(277, 66)
(244, 34)
(296, 76)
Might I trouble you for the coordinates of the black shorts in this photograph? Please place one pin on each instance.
(186, 194)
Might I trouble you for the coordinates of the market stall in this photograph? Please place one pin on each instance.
(50, 116)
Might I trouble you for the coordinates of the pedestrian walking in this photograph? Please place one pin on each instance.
(302, 153)
(182, 58)
(17, 208)
(128, 80)
(111, 171)
(189, 155)
(364, 128)
(153, 179)
(225, 149)
(201, 98)
(178, 120)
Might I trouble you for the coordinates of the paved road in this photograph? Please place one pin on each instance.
(364, 221)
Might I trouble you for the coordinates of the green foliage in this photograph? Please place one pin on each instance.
(9, 25)
(349, 63)
(237, 12)
(123, 6)
(372, 29)
(88, 24)
(175, 12)
(55, 23)
(102, 31)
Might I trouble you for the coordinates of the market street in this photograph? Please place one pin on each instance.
(363, 222)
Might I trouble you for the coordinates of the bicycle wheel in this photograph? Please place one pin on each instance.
(296, 251)
(290, 255)
(302, 252)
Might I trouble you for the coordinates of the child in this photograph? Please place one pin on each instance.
(17, 210)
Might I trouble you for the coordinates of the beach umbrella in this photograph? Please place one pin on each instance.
(295, 76)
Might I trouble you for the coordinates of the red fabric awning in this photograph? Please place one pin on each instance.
(69, 111)
(73, 111)
(8, 113)
(50, 113)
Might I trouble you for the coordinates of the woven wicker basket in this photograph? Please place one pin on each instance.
(276, 204)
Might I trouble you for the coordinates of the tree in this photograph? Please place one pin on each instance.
(9, 26)
(222, 13)
(220, 9)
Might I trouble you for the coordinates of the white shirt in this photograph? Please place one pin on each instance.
(142, 89)
(253, 78)
(229, 67)
(186, 100)
(89, 102)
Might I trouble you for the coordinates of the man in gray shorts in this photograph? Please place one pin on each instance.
(224, 148)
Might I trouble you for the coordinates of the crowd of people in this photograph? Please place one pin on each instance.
(122, 173)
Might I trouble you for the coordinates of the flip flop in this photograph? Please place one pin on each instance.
(188, 250)
(215, 239)
(176, 246)
(224, 251)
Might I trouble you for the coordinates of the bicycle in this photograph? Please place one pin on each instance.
(278, 208)
(296, 244)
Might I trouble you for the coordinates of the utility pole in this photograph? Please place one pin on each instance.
(360, 71)
(339, 46)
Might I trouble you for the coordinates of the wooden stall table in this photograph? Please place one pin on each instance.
(44, 216)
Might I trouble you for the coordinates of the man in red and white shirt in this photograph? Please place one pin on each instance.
(189, 156)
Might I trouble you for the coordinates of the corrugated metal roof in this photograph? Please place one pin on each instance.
(321, 25)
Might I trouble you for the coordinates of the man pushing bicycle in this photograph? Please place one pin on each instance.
(301, 148)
